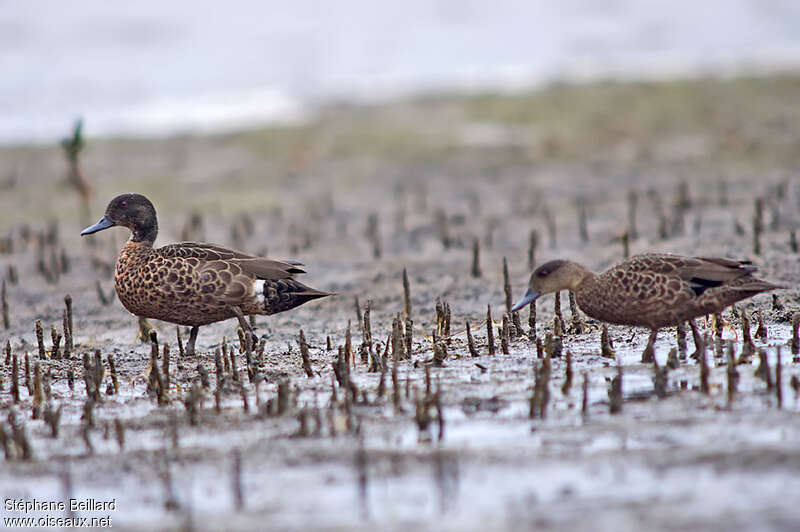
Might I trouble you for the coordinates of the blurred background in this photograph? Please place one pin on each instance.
(157, 68)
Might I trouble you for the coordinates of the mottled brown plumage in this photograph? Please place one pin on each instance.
(191, 283)
(650, 290)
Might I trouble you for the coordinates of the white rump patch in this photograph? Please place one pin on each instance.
(258, 286)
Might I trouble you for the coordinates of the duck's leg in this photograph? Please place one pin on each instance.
(649, 353)
(190, 351)
(699, 342)
(245, 325)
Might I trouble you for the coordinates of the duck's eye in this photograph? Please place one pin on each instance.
(543, 274)
(123, 205)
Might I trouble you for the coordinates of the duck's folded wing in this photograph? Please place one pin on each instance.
(725, 269)
(702, 273)
(258, 266)
(663, 263)
(202, 251)
(269, 269)
(715, 271)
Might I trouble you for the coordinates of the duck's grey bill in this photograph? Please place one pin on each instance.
(104, 223)
(529, 296)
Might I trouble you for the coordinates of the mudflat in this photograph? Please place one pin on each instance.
(432, 437)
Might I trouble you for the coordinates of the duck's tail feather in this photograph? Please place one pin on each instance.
(284, 294)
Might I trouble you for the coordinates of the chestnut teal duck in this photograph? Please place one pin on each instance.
(652, 290)
(191, 283)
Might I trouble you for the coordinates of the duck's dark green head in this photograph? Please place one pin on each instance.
(133, 211)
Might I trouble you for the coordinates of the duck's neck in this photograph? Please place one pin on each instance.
(586, 294)
(145, 234)
(138, 244)
(580, 277)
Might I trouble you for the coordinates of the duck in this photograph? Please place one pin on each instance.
(192, 283)
(652, 290)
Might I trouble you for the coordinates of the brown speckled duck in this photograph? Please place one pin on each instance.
(652, 290)
(190, 283)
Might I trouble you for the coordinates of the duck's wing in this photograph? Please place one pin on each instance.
(261, 286)
(201, 251)
(698, 273)
(239, 281)
(702, 273)
(723, 269)
(269, 269)
(706, 269)
(661, 263)
(215, 277)
(259, 267)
